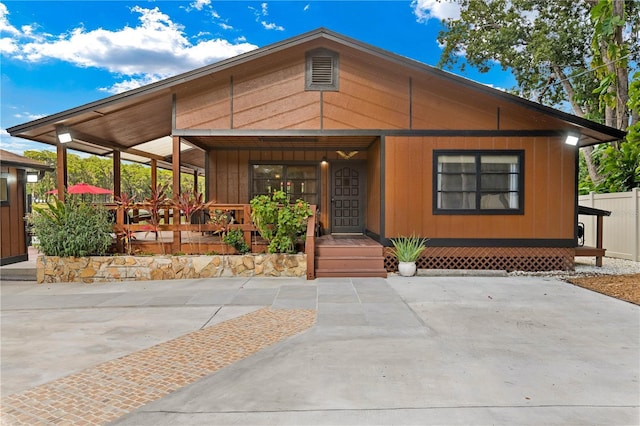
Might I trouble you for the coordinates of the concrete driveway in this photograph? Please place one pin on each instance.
(423, 350)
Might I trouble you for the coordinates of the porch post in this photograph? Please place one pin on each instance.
(195, 181)
(117, 174)
(61, 170)
(599, 227)
(175, 164)
(154, 173)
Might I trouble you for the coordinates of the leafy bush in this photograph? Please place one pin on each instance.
(279, 222)
(71, 228)
(408, 249)
(235, 238)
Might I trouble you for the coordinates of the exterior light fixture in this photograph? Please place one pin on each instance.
(64, 134)
(572, 139)
(324, 161)
(33, 177)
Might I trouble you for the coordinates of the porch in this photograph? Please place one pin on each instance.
(327, 255)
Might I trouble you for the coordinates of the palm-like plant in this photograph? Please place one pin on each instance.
(408, 249)
(156, 202)
(190, 203)
(126, 203)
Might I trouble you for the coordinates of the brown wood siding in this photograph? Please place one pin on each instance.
(207, 108)
(548, 188)
(12, 224)
(368, 98)
(440, 105)
(276, 100)
(372, 220)
(270, 94)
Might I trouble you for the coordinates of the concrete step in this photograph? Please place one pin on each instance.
(17, 274)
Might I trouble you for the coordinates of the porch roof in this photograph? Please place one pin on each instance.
(129, 120)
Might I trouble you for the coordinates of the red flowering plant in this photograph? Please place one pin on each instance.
(126, 203)
(190, 203)
(155, 203)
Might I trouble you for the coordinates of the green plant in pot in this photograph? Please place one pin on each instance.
(407, 250)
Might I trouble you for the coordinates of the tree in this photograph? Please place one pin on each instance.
(578, 52)
(95, 170)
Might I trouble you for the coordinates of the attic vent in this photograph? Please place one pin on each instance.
(322, 70)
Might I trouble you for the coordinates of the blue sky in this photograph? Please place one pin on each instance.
(57, 55)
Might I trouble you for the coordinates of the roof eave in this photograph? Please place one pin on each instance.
(610, 134)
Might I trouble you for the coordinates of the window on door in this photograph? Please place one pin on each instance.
(298, 181)
(478, 182)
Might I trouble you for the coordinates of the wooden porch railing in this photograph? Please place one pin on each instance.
(139, 220)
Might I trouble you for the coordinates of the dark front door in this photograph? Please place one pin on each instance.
(347, 197)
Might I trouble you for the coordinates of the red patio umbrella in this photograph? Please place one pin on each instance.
(83, 188)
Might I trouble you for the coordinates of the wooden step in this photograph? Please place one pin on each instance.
(370, 273)
(350, 262)
(349, 256)
(347, 251)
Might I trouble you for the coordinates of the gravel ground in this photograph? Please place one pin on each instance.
(586, 267)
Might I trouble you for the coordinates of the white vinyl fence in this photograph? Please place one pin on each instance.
(621, 231)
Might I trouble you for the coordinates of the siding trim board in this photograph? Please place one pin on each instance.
(366, 132)
(493, 242)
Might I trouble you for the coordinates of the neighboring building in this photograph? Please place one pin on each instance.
(485, 175)
(13, 204)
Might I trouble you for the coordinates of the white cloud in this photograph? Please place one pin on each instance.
(5, 26)
(199, 4)
(27, 116)
(271, 26)
(437, 9)
(156, 48)
(261, 13)
(18, 145)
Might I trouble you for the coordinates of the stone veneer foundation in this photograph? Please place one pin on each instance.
(92, 269)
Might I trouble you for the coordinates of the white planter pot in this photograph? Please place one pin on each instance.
(407, 269)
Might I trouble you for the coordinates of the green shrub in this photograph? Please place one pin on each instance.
(235, 238)
(71, 228)
(279, 222)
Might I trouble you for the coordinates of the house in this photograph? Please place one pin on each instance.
(15, 171)
(384, 146)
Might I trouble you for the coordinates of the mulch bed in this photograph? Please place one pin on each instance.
(623, 287)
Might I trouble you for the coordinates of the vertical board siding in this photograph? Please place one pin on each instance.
(548, 188)
(12, 224)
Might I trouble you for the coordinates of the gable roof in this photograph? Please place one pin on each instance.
(147, 110)
(10, 159)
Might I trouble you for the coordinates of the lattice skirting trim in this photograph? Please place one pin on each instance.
(530, 259)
